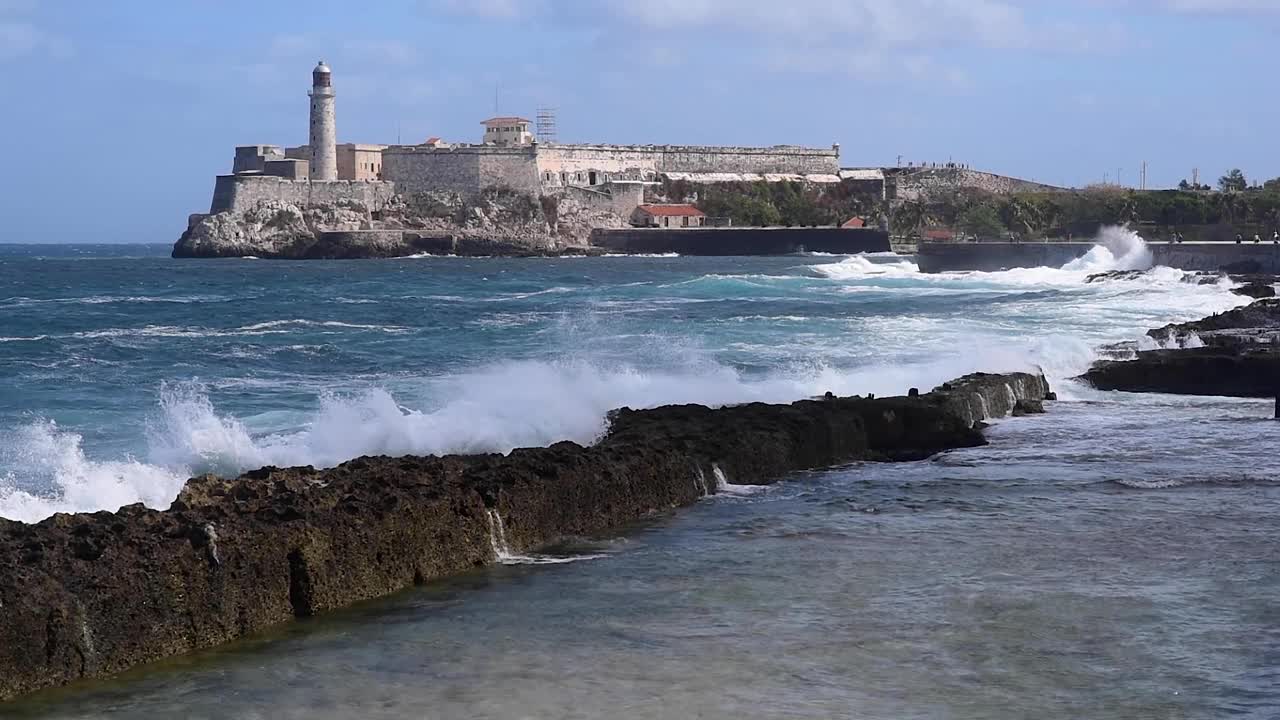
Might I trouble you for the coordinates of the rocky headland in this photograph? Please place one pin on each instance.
(89, 595)
(1235, 353)
(497, 221)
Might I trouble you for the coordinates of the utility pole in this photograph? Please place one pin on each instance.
(1195, 177)
(1144, 175)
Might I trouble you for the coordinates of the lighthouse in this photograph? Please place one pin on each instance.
(324, 131)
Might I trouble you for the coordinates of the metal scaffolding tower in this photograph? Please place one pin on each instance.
(547, 132)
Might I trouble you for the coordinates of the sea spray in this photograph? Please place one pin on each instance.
(1117, 248)
(866, 325)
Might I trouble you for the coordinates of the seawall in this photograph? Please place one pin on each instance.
(741, 241)
(89, 595)
(990, 257)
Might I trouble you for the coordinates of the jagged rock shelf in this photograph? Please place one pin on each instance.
(92, 594)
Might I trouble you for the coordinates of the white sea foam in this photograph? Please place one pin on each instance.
(77, 483)
(509, 404)
(491, 409)
(723, 486)
(1117, 248)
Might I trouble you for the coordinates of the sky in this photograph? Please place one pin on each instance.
(117, 115)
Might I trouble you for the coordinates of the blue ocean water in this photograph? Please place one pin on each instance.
(1112, 559)
(125, 372)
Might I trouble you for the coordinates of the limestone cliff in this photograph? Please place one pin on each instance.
(497, 221)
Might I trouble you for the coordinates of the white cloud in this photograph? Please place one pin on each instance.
(869, 39)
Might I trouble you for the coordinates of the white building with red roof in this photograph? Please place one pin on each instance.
(668, 216)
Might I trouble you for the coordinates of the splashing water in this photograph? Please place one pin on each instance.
(1117, 248)
(723, 486)
(503, 554)
(542, 366)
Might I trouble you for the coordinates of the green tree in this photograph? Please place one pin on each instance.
(982, 221)
(1233, 181)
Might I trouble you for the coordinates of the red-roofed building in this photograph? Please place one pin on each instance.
(854, 224)
(940, 235)
(668, 216)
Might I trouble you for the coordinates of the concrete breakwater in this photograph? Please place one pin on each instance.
(992, 257)
(742, 241)
(89, 595)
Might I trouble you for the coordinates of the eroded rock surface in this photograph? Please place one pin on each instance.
(1200, 371)
(495, 222)
(1235, 353)
(92, 594)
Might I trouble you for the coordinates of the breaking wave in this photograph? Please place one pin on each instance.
(522, 403)
(492, 409)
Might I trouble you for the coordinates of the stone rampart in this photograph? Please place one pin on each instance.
(237, 193)
(917, 184)
(689, 158)
(462, 169)
(534, 168)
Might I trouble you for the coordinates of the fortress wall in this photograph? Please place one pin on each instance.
(917, 184)
(632, 162)
(780, 159)
(518, 171)
(467, 169)
(236, 193)
(621, 200)
(639, 160)
(460, 169)
(421, 170)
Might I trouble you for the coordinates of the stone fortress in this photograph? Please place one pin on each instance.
(508, 155)
(326, 186)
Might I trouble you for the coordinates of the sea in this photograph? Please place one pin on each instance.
(1118, 557)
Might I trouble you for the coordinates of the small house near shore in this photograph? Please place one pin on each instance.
(668, 216)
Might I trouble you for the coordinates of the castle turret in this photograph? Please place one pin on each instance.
(324, 131)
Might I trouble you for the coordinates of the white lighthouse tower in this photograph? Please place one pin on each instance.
(324, 131)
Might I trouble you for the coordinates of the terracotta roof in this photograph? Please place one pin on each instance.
(940, 234)
(504, 121)
(855, 223)
(672, 210)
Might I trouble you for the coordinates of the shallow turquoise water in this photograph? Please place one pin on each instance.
(1112, 559)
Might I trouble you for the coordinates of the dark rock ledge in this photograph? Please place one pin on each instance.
(92, 594)
(1238, 356)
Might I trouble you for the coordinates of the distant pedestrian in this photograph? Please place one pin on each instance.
(1256, 239)
(1239, 238)
(1275, 237)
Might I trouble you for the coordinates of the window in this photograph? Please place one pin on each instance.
(686, 220)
